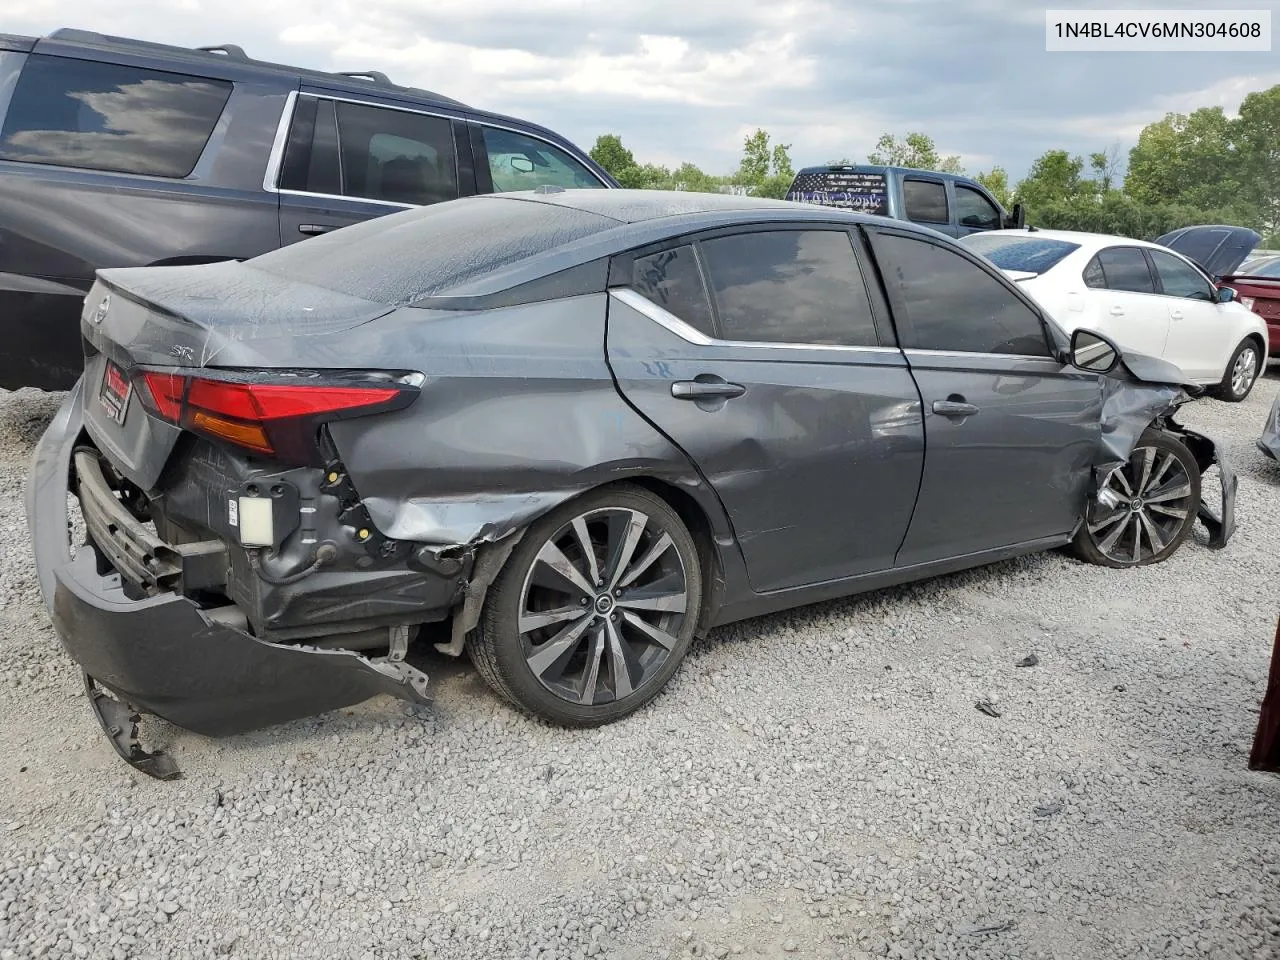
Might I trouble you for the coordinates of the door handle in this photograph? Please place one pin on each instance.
(1117, 311)
(312, 229)
(698, 390)
(954, 408)
(1175, 314)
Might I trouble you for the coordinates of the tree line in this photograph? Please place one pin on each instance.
(1202, 167)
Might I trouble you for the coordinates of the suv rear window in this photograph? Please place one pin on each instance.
(429, 250)
(1029, 254)
(104, 116)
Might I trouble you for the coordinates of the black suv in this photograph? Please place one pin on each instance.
(117, 152)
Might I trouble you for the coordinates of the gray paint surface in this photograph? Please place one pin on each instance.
(829, 474)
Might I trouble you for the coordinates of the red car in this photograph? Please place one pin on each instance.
(1258, 285)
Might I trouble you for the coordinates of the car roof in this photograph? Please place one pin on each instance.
(877, 168)
(1092, 241)
(636, 206)
(355, 81)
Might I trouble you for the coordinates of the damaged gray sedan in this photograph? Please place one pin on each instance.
(573, 429)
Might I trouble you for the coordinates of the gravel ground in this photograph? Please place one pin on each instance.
(812, 784)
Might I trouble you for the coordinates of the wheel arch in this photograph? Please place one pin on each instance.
(492, 557)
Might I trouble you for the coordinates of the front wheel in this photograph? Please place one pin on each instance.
(1145, 509)
(1241, 373)
(593, 611)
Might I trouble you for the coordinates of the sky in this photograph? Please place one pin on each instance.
(687, 80)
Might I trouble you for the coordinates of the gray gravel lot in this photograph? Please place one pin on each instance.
(813, 784)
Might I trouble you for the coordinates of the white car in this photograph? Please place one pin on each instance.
(1146, 297)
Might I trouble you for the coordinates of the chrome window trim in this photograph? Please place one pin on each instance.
(665, 318)
(965, 354)
(276, 157)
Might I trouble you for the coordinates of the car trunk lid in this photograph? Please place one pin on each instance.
(1218, 248)
(187, 317)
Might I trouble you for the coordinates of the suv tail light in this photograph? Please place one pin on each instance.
(270, 414)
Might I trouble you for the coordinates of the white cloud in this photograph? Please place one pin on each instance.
(681, 80)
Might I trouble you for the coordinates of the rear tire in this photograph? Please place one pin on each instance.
(1242, 372)
(1154, 501)
(593, 611)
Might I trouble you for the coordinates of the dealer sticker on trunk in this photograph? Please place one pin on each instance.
(115, 391)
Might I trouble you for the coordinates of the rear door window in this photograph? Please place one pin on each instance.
(521, 162)
(105, 116)
(1126, 269)
(396, 156)
(790, 286)
(672, 280)
(925, 200)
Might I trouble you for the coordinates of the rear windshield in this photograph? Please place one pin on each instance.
(1030, 254)
(844, 189)
(424, 252)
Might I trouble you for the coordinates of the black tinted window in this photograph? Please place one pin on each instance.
(672, 280)
(396, 156)
(975, 210)
(1180, 279)
(953, 304)
(311, 155)
(1125, 268)
(102, 116)
(790, 286)
(926, 201)
(1093, 275)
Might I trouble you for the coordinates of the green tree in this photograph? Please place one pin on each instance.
(914, 150)
(765, 170)
(1186, 159)
(617, 160)
(1256, 136)
(1117, 213)
(1053, 178)
(997, 181)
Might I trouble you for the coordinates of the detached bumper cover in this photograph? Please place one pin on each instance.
(166, 656)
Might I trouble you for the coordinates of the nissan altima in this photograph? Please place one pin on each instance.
(569, 429)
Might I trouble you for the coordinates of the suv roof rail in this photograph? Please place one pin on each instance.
(230, 49)
(233, 51)
(377, 76)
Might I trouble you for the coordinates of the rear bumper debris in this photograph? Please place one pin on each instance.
(166, 655)
(1269, 442)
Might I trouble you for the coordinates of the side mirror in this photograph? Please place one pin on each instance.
(1093, 352)
(1016, 220)
(1227, 295)
(522, 164)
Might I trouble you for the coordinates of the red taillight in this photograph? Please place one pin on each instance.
(166, 393)
(260, 401)
(267, 418)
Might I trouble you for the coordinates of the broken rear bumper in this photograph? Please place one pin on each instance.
(164, 654)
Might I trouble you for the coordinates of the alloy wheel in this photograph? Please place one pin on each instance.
(1142, 507)
(1244, 371)
(602, 606)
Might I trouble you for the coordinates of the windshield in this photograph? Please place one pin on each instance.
(1266, 267)
(1025, 252)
